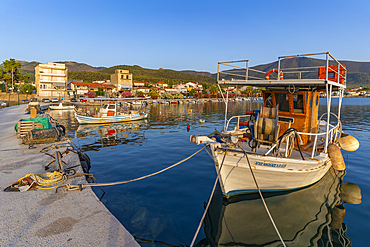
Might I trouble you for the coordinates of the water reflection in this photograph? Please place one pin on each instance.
(309, 217)
(96, 136)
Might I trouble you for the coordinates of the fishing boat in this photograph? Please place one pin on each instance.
(283, 145)
(109, 114)
(61, 107)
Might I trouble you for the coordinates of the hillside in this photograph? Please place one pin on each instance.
(358, 72)
(166, 75)
(87, 73)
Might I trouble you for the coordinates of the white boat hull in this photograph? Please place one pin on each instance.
(61, 107)
(272, 173)
(110, 119)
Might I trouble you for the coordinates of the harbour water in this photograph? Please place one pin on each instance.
(165, 210)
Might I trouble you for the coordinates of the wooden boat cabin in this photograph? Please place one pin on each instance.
(297, 110)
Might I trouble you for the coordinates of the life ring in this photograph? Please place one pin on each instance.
(274, 70)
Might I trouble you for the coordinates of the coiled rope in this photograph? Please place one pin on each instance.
(47, 180)
(80, 186)
(289, 137)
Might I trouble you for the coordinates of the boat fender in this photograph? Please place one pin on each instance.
(337, 216)
(62, 128)
(249, 112)
(348, 143)
(85, 161)
(274, 70)
(350, 193)
(336, 157)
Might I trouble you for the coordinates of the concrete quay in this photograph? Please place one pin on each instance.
(42, 217)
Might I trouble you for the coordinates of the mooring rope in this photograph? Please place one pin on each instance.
(208, 203)
(263, 200)
(78, 187)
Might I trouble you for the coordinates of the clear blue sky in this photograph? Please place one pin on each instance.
(182, 34)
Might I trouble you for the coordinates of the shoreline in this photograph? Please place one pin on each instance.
(43, 217)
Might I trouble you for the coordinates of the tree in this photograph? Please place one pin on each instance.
(179, 96)
(168, 96)
(192, 92)
(139, 94)
(10, 66)
(154, 94)
(26, 87)
(26, 78)
(213, 89)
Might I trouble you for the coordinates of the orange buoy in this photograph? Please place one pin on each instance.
(274, 70)
(348, 143)
(336, 157)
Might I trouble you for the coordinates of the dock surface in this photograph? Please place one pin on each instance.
(42, 217)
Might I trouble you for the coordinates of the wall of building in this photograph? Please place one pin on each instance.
(122, 79)
(52, 77)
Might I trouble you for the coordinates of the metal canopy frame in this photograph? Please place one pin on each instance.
(243, 78)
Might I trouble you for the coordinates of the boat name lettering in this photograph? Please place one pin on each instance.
(270, 164)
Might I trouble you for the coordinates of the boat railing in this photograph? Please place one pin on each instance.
(334, 131)
(332, 136)
(237, 127)
(239, 71)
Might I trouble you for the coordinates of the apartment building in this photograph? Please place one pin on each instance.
(121, 79)
(51, 80)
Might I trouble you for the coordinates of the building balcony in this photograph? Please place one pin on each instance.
(52, 74)
(54, 82)
(51, 89)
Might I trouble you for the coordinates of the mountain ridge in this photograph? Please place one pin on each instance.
(358, 72)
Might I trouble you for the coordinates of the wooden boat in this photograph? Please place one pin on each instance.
(61, 107)
(282, 145)
(109, 114)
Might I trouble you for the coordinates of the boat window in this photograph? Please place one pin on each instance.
(298, 103)
(105, 106)
(282, 100)
(111, 107)
(317, 100)
(268, 100)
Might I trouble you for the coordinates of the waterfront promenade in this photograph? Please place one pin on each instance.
(43, 217)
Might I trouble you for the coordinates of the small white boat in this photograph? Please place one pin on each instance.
(109, 114)
(136, 102)
(282, 145)
(61, 107)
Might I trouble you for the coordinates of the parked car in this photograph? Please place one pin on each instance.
(25, 101)
(54, 100)
(2, 103)
(33, 100)
(73, 100)
(45, 100)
